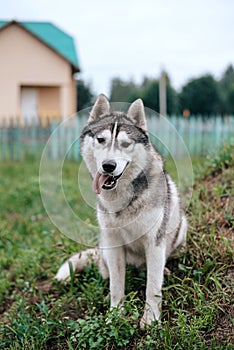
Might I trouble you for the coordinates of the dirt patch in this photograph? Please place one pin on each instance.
(223, 332)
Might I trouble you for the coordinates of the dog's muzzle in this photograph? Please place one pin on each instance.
(108, 175)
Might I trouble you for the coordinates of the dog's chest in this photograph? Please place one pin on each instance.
(123, 208)
(135, 253)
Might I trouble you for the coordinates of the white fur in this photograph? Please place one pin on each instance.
(78, 262)
(130, 228)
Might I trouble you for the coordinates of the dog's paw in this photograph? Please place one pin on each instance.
(149, 317)
(167, 272)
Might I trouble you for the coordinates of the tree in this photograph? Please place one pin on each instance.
(228, 77)
(128, 91)
(121, 91)
(150, 95)
(226, 85)
(172, 100)
(201, 96)
(230, 99)
(84, 95)
(147, 90)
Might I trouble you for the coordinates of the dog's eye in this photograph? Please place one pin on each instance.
(125, 144)
(100, 139)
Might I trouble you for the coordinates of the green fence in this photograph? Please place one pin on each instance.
(200, 135)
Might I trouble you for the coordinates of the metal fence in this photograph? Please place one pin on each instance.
(171, 135)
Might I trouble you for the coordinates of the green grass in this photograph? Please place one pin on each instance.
(37, 313)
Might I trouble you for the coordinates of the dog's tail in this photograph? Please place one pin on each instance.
(77, 262)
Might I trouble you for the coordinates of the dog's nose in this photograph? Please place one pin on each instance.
(109, 166)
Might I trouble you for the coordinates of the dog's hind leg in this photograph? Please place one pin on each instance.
(179, 243)
(181, 239)
(77, 262)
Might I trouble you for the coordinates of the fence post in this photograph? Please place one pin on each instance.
(69, 140)
(54, 145)
(192, 136)
(18, 140)
(4, 139)
(33, 136)
(77, 143)
(218, 131)
(199, 127)
(11, 139)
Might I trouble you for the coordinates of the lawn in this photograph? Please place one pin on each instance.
(38, 313)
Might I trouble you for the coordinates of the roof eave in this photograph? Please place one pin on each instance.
(75, 69)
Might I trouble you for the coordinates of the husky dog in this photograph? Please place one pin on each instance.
(138, 207)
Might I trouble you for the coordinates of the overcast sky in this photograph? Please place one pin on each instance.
(136, 38)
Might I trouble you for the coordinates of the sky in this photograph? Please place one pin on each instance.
(131, 39)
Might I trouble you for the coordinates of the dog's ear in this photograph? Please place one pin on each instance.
(136, 112)
(101, 107)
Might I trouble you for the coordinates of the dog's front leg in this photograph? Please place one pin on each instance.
(155, 260)
(116, 263)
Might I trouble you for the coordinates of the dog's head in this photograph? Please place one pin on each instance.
(113, 142)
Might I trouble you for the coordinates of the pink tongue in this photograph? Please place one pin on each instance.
(98, 182)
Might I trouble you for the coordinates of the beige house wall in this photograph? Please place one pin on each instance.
(27, 62)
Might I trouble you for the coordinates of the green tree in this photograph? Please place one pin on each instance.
(230, 99)
(147, 90)
(84, 95)
(201, 96)
(150, 95)
(172, 97)
(228, 77)
(226, 85)
(121, 91)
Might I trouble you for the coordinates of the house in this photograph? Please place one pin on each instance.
(37, 66)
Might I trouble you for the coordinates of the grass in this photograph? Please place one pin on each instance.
(37, 313)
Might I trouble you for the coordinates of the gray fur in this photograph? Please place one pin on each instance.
(138, 207)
